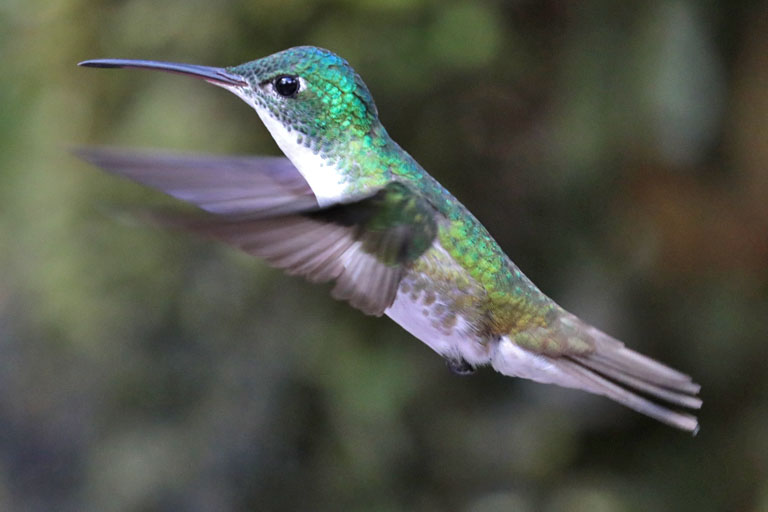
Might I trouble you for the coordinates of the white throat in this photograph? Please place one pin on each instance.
(323, 176)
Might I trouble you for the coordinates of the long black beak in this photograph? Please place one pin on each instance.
(218, 76)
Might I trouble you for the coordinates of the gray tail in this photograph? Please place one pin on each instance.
(611, 370)
(628, 377)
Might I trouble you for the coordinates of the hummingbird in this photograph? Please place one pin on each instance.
(348, 205)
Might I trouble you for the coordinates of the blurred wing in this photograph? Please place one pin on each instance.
(365, 246)
(265, 207)
(249, 186)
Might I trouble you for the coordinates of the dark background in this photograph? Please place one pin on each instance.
(618, 151)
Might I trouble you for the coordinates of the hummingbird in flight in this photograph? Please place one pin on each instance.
(348, 205)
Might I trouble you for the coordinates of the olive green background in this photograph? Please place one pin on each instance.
(618, 151)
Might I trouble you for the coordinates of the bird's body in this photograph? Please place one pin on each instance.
(351, 206)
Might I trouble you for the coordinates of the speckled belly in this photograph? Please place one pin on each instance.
(440, 304)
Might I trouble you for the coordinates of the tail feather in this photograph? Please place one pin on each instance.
(612, 352)
(668, 395)
(588, 380)
(611, 370)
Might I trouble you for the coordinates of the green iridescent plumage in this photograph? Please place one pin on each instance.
(336, 105)
(337, 118)
(353, 207)
(395, 225)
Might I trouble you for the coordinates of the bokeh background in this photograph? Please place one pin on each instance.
(617, 150)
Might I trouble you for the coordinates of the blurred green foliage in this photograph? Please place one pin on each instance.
(617, 150)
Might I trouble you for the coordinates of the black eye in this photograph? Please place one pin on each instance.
(286, 85)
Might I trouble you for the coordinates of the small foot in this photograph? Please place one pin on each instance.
(459, 367)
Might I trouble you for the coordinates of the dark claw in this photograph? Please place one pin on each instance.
(459, 367)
